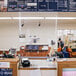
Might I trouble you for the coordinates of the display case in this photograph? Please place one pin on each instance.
(35, 50)
(67, 67)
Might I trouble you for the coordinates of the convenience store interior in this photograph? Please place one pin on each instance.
(30, 40)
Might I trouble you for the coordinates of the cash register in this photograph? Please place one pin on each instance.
(25, 62)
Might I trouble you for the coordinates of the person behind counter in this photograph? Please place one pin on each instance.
(60, 48)
(65, 52)
(60, 43)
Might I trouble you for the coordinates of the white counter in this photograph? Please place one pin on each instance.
(37, 44)
(43, 64)
(39, 68)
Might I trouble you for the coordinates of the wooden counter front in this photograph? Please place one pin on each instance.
(13, 65)
(29, 68)
(69, 63)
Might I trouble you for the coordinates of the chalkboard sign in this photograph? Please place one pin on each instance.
(42, 5)
(74, 0)
(52, 5)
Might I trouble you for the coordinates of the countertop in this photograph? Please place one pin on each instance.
(9, 59)
(40, 64)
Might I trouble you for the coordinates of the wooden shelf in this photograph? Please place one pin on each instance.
(35, 52)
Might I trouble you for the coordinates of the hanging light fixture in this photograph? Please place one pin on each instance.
(39, 24)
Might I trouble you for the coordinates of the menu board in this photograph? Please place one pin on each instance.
(41, 5)
(72, 5)
(6, 72)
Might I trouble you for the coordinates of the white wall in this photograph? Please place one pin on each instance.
(8, 34)
(9, 31)
(45, 32)
(67, 24)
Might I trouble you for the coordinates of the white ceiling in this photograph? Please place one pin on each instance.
(38, 14)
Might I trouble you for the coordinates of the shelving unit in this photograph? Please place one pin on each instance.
(67, 64)
(35, 52)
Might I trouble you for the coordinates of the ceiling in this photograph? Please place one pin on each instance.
(38, 14)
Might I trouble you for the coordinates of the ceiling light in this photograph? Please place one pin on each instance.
(60, 18)
(28, 18)
(37, 18)
(2, 18)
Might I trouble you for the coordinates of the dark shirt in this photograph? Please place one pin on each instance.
(61, 43)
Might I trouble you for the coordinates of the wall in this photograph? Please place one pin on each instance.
(67, 24)
(9, 32)
(46, 30)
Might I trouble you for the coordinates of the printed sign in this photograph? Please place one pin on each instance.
(4, 65)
